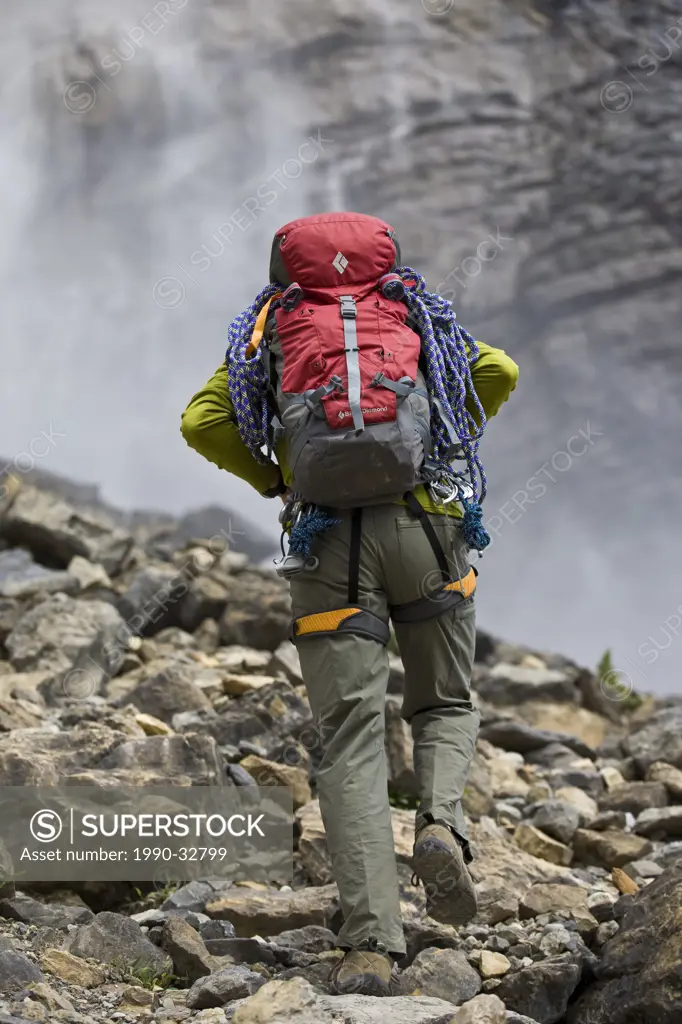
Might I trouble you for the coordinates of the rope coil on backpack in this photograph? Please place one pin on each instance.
(449, 350)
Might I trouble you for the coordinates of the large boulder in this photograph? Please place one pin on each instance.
(610, 849)
(154, 760)
(71, 640)
(639, 978)
(524, 739)
(17, 972)
(443, 974)
(43, 758)
(658, 739)
(154, 599)
(513, 684)
(258, 612)
(115, 939)
(542, 990)
(254, 912)
(55, 531)
(295, 999)
(167, 694)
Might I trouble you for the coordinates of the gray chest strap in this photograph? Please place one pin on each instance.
(350, 345)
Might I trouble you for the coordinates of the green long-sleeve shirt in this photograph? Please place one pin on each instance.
(209, 424)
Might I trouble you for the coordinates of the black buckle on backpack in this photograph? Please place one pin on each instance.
(349, 310)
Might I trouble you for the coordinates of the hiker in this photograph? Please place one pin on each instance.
(370, 395)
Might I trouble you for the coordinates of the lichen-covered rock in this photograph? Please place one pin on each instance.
(542, 990)
(443, 974)
(115, 939)
(67, 636)
(609, 849)
(223, 987)
(638, 977)
(253, 912)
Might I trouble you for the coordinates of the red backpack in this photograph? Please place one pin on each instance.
(345, 384)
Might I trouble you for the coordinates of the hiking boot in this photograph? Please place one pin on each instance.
(362, 972)
(439, 863)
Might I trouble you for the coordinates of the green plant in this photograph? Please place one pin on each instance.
(403, 801)
(613, 686)
(139, 973)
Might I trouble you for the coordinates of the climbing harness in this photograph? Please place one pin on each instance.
(353, 618)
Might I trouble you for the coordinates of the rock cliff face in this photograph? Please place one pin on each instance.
(528, 152)
(125, 663)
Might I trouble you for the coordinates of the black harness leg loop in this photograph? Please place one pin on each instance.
(431, 534)
(354, 557)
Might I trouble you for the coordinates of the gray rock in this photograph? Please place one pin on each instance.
(155, 759)
(590, 782)
(242, 951)
(269, 912)
(286, 660)
(190, 957)
(609, 849)
(638, 976)
(369, 1010)
(154, 599)
(605, 931)
(10, 613)
(166, 694)
(223, 987)
(484, 1009)
(240, 776)
(258, 613)
(52, 529)
(519, 1018)
(554, 755)
(398, 742)
(114, 939)
(643, 869)
(312, 939)
(21, 577)
(542, 990)
(522, 738)
(194, 897)
(505, 813)
(213, 930)
(17, 971)
(206, 598)
(660, 822)
(658, 739)
(601, 905)
(62, 635)
(557, 818)
(609, 820)
(506, 684)
(46, 915)
(150, 918)
(634, 797)
(442, 974)
(295, 999)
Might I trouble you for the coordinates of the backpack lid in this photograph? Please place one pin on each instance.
(328, 250)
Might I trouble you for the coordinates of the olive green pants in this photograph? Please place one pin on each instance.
(346, 677)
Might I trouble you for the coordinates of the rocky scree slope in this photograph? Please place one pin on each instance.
(119, 664)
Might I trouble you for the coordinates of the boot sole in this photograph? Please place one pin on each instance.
(450, 893)
(362, 985)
